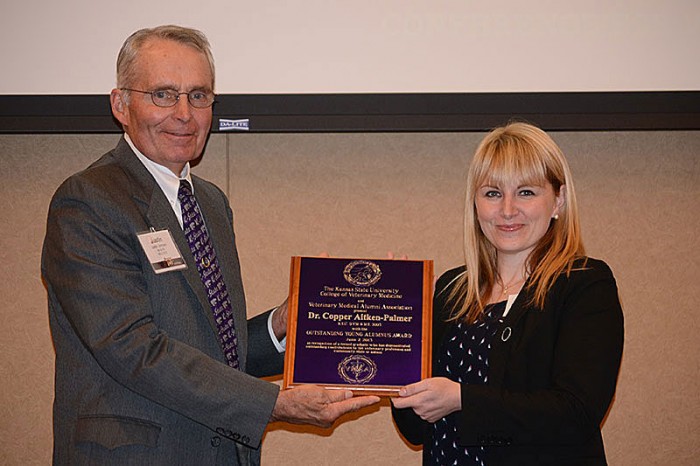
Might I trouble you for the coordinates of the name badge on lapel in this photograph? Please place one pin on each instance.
(161, 251)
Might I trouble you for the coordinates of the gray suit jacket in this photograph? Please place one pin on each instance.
(140, 375)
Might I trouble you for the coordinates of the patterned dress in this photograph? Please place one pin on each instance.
(464, 358)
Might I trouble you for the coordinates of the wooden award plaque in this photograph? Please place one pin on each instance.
(359, 324)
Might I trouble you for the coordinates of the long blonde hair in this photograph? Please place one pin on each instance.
(525, 153)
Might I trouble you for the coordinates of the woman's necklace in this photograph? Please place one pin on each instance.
(510, 284)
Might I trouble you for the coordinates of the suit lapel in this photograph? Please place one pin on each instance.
(218, 226)
(160, 216)
(509, 334)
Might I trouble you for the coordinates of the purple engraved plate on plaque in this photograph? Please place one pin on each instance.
(359, 322)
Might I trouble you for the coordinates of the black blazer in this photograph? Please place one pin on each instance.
(552, 374)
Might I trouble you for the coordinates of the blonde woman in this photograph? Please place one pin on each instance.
(528, 334)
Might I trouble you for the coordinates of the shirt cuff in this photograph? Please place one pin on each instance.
(281, 345)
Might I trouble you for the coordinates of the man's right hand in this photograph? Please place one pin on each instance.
(311, 404)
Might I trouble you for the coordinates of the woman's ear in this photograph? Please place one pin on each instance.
(559, 201)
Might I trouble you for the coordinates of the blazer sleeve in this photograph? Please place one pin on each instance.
(263, 358)
(561, 369)
(411, 426)
(96, 279)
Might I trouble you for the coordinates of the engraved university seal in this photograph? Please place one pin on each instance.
(362, 273)
(357, 369)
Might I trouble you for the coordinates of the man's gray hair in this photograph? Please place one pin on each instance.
(126, 69)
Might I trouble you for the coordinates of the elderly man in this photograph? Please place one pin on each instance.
(156, 362)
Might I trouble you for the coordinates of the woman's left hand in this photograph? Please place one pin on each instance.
(431, 399)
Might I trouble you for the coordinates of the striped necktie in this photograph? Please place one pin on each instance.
(209, 271)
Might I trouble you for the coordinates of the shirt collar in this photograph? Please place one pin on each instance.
(166, 179)
(168, 183)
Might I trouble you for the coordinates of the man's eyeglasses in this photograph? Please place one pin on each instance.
(169, 97)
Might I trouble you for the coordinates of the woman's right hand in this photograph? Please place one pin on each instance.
(431, 399)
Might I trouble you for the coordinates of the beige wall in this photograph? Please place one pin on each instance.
(366, 194)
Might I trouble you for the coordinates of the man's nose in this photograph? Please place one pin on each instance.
(182, 108)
